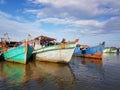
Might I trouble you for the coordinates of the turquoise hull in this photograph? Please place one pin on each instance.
(18, 54)
(0, 50)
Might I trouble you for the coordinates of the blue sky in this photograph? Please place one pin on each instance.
(92, 21)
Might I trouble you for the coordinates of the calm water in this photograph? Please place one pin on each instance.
(80, 74)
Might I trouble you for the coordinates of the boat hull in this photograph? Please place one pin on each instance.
(95, 56)
(110, 50)
(91, 52)
(18, 54)
(57, 53)
(106, 50)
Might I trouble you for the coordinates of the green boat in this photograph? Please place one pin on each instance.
(110, 50)
(19, 54)
(0, 48)
(1, 54)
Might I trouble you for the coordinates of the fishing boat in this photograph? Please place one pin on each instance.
(90, 52)
(1, 56)
(8, 42)
(118, 50)
(48, 49)
(1, 51)
(0, 48)
(113, 50)
(19, 54)
(106, 50)
(110, 50)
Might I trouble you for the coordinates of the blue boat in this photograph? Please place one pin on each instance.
(90, 52)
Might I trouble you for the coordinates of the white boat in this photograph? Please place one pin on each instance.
(46, 49)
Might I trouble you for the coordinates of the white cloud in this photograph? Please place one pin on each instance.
(18, 30)
(33, 11)
(4, 15)
(113, 25)
(73, 22)
(84, 15)
(86, 32)
(81, 14)
(109, 27)
(78, 8)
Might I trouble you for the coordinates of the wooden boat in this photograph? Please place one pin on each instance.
(118, 50)
(47, 49)
(1, 52)
(113, 50)
(19, 54)
(110, 50)
(0, 47)
(8, 42)
(106, 50)
(90, 52)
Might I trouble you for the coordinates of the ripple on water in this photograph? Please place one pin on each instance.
(80, 74)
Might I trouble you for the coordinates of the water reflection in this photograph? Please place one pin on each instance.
(87, 61)
(58, 76)
(94, 65)
(80, 74)
(36, 75)
(89, 64)
(109, 54)
(111, 59)
(84, 68)
(11, 75)
(96, 62)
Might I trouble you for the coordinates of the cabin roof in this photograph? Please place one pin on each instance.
(45, 38)
(84, 46)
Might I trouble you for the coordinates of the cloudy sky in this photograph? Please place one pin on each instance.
(92, 21)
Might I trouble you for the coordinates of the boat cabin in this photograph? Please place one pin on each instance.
(42, 41)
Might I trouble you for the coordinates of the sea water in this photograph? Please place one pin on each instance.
(79, 74)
